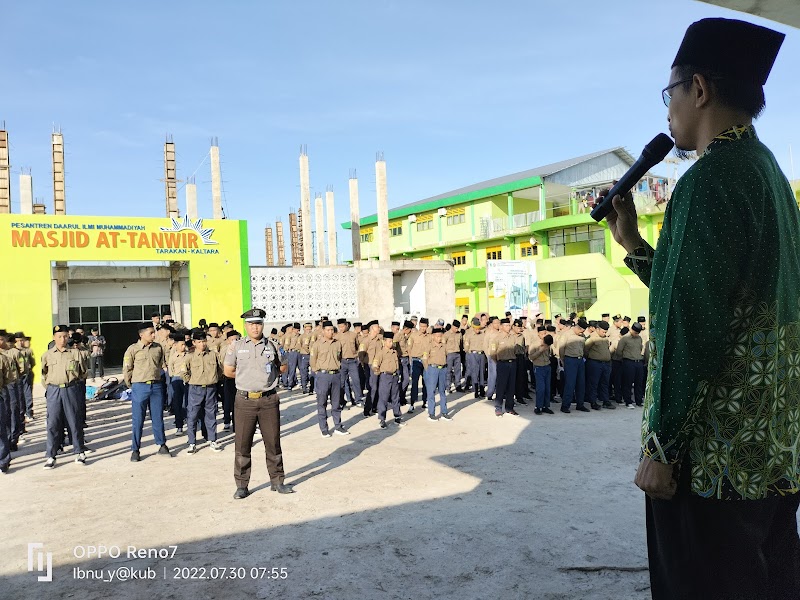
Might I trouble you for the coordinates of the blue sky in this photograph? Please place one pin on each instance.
(452, 92)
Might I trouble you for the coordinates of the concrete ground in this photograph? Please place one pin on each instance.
(481, 507)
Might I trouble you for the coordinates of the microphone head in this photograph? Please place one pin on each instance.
(658, 148)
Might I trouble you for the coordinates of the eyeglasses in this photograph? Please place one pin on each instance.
(666, 96)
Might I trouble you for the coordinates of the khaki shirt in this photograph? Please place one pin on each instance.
(215, 342)
(491, 333)
(9, 367)
(630, 348)
(597, 348)
(326, 355)
(401, 340)
(368, 347)
(475, 340)
(503, 346)
(257, 364)
(292, 343)
(571, 345)
(418, 343)
(86, 359)
(305, 342)
(62, 367)
(435, 354)
(143, 363)
(203, 368)
(386, 361)
(531, 337)
(539, 353)
(176, 365)
(452, 341)
(349, 344)
(14, 356)
(27, 361)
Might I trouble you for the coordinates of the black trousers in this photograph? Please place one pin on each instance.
(266, 412)
(722, 549)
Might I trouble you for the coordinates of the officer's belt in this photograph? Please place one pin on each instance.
(254, 395)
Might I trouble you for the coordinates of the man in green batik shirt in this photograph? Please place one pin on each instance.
(721, 424)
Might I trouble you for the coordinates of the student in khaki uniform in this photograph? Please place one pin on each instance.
(571, 351)
(366, 351)
(597, 352)
(62, 371)
(452, 342)
(292, 349)
(386, 365)
(630, 348)
(417, 346)
(215, 339)
(10, 355)
(540, 353)
(401, 341)
(79, 344)
(143, 368)
(5, 424)
(26, 363)
(474, 348)
(435, 362)
(492, 331)
(176, 369)
(616, 363)
(326, 363)
(351, 383)
(305, 355)
(521, 379)
(202, 372)
(503, 350)
(228, 385)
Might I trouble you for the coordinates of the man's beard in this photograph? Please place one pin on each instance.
(682, 154)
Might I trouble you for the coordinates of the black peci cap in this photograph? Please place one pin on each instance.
(145, 325)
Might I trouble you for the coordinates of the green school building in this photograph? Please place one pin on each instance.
(539, 215)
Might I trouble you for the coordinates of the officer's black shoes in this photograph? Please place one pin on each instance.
(537, 411)
(192, 449)
(135, 456)
(383, 424)
(241, 493)
(281, 489)
(512, 412)
(522, 401)
(50, 463)
(341, 430)
(164, 451)
(609, 405)
(583, 409)
(547, 410)
(399, 421)
(595, 406)
(565, 410)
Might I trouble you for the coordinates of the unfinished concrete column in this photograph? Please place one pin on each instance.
(332, 258)
(270, 246)
(191, 200)
(59, 187)
(319, 230)
(294, 241)
(383, 207)
(5, 174)
(170, 180)
(281, 244)
(305, 210)
(25, 194)
(216, 180)
(355, 225)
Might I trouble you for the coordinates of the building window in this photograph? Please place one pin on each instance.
(459, 258)
(577, 240)
(494, 253)
(395, 229)
(367, 235)
(456, 216)
(576, 295)
(527, 250)
(462, 306)
(424, 225)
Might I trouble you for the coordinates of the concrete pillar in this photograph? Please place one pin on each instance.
(281, 244)
(294, 237)
(305, 210)
(5, 174)
(269, 246)
(61, 307)
(59, 186)
(319, 230)
(383, 208)
(170, 181)
(25, 194)
(191, 201)
(175, 291)
(332, 253)
(216, 181)
(542, 202)
(355, 225)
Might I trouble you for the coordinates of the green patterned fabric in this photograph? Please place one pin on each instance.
(724, 370)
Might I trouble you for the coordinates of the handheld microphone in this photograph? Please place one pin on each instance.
(652, 154)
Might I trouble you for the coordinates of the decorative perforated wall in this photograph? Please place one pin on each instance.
(304, 294)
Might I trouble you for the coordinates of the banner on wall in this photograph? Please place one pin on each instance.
(515, 280)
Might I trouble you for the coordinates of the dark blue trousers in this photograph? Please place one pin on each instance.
(304, 363)
(597, 375)
(454, 372)
(5, 429)
(616, 380)
(144, 396)
(328, 386)
(372, 394)
(574, 382)
(505, 384)
(632, 376)
(14, 391)
(201, 398)
(63, 405)
(405, 377)
(179, 400)
(436, 380)
(491, 383)
(543, 383)
(351, 384)
(228, 401)
(294, 360)
(476, 368)
(388, 392)
(27, 388)
(417, 371)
